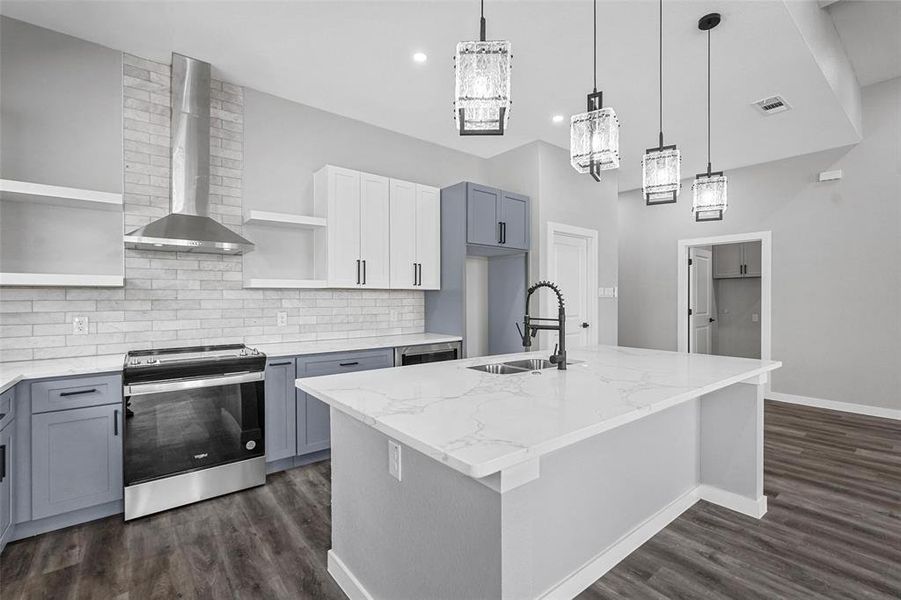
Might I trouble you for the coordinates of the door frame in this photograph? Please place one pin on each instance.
(766, 262)
(591, 237)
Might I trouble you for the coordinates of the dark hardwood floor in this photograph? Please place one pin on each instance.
(833, 530)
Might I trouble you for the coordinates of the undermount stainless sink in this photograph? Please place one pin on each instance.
(498, 369)
(531, 364)
(519, 366)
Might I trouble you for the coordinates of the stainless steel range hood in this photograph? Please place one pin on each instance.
(188, 226)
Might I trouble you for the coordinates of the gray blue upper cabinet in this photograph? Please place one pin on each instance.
(496, 218)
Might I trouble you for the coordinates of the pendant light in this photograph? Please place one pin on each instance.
(709, 189)
(594, 134)
(482, 90)
(661, 166)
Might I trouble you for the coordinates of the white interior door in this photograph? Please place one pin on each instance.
(428, 236)
(572, 265)
(343, 226)
(374, 231)
(700, 301)
(403, 234)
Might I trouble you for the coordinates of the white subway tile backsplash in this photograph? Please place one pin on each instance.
(174, 299)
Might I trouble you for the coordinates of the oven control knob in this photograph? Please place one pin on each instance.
(250, 445)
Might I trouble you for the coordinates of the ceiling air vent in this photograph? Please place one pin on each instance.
(772, 105)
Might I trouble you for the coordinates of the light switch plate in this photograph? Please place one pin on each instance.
(80, 326)
(282, 319)
(394, 459)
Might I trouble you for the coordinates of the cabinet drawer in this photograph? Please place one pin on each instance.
(7, 406)
(345, 363)
(76, 392)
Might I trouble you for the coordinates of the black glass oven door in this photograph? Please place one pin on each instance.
(176, 431)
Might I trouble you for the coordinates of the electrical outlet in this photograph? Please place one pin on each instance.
(395, 315)
(394, 459)
(282, 318)
(755, 317)
(80, 326)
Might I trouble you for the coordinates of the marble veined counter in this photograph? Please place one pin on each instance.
(480, 423)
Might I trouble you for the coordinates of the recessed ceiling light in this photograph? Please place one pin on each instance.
(557, 118)
(420, 57)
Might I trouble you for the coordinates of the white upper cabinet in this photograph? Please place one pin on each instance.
(415, 236)
(374, 231)
(404, 269)
(428, 236)
(381, 233)
(337, 191)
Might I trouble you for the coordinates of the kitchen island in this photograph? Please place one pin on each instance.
(535, 483)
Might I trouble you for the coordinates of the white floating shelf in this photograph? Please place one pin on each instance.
(285, 283)
(64, 279)
(25, 191)
(277, 218)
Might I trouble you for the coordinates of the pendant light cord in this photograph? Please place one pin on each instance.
(595, 42)
(661, 73)
(482, 20)
(708, 102)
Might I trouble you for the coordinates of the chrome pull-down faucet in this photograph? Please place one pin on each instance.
(530, 328)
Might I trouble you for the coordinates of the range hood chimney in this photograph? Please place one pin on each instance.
(188, 226)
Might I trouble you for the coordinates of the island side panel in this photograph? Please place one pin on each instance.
(570, 525)
(731, 466)
(435, 534)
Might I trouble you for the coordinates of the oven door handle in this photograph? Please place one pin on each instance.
(140, 389)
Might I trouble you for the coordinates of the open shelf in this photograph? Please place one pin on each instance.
(25, 191)
(285, 283)
(61, 279)
(286, 219)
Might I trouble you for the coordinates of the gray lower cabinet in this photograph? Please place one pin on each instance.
(313, 423)
(7, 447)
(281, 438)
(76, 458)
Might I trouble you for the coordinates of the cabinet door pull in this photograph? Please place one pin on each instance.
(2, 462)
(500, 232)
(420, 274)
(414, 273)
(280, 364)
(78, 393)
(116, 422)
(503, 232)
(358, 271)
(349, 364)
(364, 272)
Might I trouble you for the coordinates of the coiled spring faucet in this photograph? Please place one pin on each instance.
(530, 328)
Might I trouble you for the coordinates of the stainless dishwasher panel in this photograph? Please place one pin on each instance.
(425, 353)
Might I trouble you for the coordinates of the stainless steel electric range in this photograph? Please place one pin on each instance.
(193, 425)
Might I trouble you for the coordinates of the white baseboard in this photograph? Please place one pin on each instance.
(593, 570)
(746, 506)
(859, 409)
(349, 584)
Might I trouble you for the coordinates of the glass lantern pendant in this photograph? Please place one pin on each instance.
(594, 138)
(710, 199)
(594, 134)
(482, 89)
(661, 166)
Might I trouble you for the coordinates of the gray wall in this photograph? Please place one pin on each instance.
(174, 299)
(836, 249)
(559, 194)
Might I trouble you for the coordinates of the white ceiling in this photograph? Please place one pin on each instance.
(354, 59)
(871, 34)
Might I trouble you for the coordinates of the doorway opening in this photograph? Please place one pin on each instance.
(724, 295)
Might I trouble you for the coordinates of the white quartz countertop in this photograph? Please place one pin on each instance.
(480, 423)
(13, 372)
